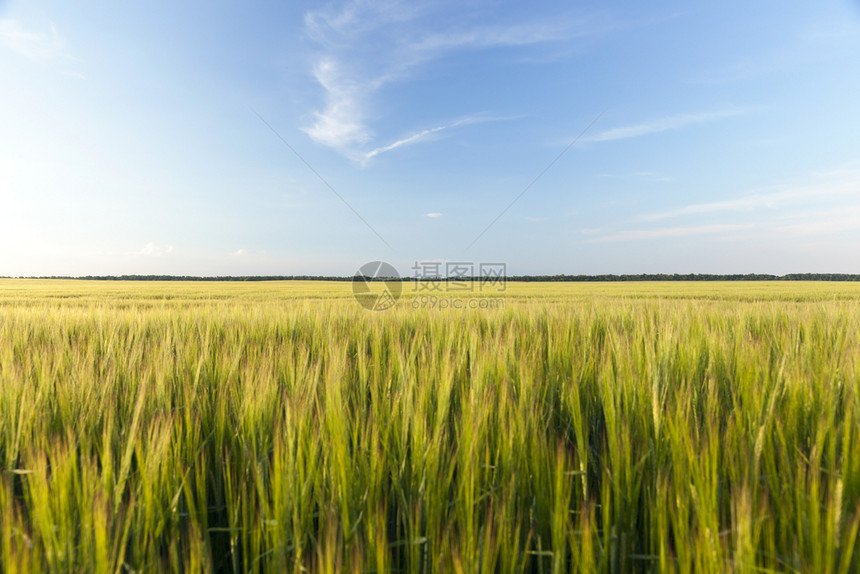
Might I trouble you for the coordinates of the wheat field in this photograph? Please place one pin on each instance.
(280, 427)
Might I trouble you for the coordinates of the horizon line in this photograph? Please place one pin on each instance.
(599, 277)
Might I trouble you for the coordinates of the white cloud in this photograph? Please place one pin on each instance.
(639, 175)
(367, 45)
(644, 234)
(825, 206)
(414, 138)
(491, 36)
(41, 46)
(240, 252)
(826, 185)
(536, 219)
(334, 27)
(433, 215)
(651, 176)
(823, 222)
(425, 134)
(663, 125)
(820, 41)
(341, 123)
(153, 249)
(739, 204)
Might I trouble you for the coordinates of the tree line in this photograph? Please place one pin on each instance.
(533, 278)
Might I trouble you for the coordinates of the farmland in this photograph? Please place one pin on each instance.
(279, 426)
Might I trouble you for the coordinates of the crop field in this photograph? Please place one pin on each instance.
(281, 427)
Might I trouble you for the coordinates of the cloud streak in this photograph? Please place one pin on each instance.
(780, 213)
(663, 125)
(824, 222)
(427, 133)
(153, 249)
(39, 46)
(643, 234)
(414, 138)
(365, 46)
(341, 123)
(494, 36)
(830, 186)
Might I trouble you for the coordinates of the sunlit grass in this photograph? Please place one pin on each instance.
(281, 427)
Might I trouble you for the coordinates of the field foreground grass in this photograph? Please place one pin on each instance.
(271, 427)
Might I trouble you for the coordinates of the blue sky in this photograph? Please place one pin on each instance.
(727, 137)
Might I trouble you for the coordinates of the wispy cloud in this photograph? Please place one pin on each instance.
(826, 205)
(153, 249)
(492, 36)
(427, 133)
(365, 46)
(819, 41)
(738, 204)
(42, 46)
(414, 138)
(341, 122)
(652, 176)
(664, 124)
(829, 185)
(639, 175)
(822, 222)
(643, 234)
(433, 215)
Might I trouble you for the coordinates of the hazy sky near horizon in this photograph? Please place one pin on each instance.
(726, 140)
